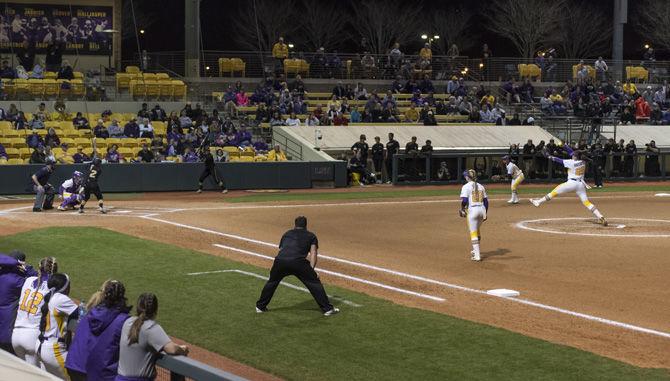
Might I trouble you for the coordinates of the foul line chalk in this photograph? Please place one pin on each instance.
(285, 284)
(340, 275)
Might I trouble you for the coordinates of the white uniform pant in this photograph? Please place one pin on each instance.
(475, 217)
(23, 341)
(53, 355)
(572, 186)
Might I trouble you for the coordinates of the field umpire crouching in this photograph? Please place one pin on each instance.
(297, 256)
(40, 185)
(210, 170)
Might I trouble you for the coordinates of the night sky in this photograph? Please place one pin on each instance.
(163, 22)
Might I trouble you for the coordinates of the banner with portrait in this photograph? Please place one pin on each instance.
(80, 27)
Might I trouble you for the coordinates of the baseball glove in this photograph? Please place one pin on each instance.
(462, 213)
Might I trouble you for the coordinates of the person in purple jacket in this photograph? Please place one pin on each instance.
(94, 352)
(13, 273)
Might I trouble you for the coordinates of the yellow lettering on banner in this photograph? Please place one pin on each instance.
(59, 12)
(33, 12)
(81, 13)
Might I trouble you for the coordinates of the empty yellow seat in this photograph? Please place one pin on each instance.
(133, 69)
(15, 161)
(637, 73)
(36, 87)
(25, 153)
(12, 153)
(137, 88)
(152, 88)
(178, 89)
(123, 81)
(224, 66)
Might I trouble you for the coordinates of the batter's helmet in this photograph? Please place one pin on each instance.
(470, 174)
(97, 161)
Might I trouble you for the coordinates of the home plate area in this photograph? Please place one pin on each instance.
(617, 227)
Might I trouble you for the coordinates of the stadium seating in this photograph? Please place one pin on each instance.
(295, 66)
(231, 66)
(591, 71)
(529, 71)
(637, 73)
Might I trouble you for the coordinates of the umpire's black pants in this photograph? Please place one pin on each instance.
(303, 271)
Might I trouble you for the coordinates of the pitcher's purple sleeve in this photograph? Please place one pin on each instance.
(486, 203)
(568, 149)
(464, 202)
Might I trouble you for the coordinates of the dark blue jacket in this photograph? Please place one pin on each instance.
(11, 282)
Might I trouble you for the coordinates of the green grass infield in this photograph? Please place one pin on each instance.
(379, 340)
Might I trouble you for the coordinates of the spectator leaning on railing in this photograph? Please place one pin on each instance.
(142, 339)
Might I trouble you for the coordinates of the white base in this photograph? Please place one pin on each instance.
(503, 292)
(662, 195)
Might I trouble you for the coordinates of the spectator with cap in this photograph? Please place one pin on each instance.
(141, 341)
(65, 71)
(7, 71)
(362, 146)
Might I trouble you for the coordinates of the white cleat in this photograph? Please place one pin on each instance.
(103, 210)
(602, 221)
(535, 202)
(224, 191)
(198, 191)
(260, 311)
(474, 257)
(331, 312)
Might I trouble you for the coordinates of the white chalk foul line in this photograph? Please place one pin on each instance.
(7, 211)
(340, 275)
(357, 203)
(285, 284)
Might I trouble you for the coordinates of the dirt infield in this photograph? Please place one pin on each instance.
(601, 289)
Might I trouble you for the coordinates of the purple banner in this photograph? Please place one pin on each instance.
(80, 27)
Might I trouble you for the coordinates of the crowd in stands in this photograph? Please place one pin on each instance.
(180, 138)
(99, 340)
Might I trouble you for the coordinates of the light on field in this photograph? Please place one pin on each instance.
(436, 37)
(646, 46)
(141, 31)
(206, 67)
(291, 46)
(424, 36)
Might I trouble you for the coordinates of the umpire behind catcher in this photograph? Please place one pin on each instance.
(45, 192)
(297, 256)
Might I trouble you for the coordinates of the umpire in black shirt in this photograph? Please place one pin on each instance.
(297, 256)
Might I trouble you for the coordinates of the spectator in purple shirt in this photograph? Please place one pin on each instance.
(189, 156)
(80, 157)
(3, 152)
(13, 273)
(113, 155)
(34, 140)
(243, 137)
(94, 352)
(131, 129)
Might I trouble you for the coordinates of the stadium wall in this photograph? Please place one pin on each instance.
(15, 179)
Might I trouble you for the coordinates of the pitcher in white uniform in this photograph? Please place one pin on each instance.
(57, 311)
(575, 183)
(517, 177)
(27, 324)
(473, 197)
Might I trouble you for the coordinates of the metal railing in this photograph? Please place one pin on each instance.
(182, 368)
(259, 64)
(425, 169)
(292, 148)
